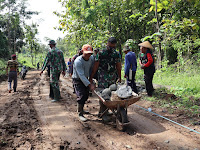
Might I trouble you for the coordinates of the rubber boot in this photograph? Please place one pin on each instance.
(105, 117)
(51, 95)
(56, 93)
(80, 113)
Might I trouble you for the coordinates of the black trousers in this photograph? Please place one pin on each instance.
(82, 92)
(148, 83)
(12, 77)
(131, 82)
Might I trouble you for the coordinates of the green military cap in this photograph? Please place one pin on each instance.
(52, 42)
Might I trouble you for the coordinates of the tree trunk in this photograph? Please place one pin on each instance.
(120, 47)
(14, 41)
(109, 19)
(8, 27)
(32, 55)
(159, 47)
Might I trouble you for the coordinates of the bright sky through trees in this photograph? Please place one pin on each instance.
(46, 19)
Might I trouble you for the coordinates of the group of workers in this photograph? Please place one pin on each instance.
(103, 65)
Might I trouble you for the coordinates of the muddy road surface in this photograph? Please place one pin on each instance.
(29, 120)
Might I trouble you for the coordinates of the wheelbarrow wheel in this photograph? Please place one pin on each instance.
(121, 119)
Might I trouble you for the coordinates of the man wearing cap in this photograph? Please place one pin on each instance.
(81, 72)
(12, 65)
(108, 64)
(148, 65)
(130, 67)
(57, 65)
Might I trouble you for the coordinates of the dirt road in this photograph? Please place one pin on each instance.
(28, 120)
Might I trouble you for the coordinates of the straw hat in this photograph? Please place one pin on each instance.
(146, 44)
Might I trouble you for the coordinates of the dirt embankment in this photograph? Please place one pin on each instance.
(28, 120)
(19, 124)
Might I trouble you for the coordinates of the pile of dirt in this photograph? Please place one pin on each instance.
(19, 126)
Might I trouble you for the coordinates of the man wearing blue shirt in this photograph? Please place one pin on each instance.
(130, 68)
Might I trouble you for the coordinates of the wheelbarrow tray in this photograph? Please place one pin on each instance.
(118, 103)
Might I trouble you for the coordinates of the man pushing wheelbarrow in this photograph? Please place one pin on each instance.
(108, 64)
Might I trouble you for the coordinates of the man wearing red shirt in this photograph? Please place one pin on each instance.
(147, 63)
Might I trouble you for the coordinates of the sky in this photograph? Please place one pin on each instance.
(46, 19)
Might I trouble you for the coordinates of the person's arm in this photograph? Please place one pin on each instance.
(140, 62)
(94, 70)
(95, 67)
(127, 65)
(135, 59)
(17, 69)
(7, 69)
(63, 64)
(118, 66)
(150, 60)
(45, 63)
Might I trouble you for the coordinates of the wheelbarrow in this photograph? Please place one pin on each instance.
(119, 109)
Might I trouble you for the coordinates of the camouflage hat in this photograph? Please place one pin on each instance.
(126, 48)
(52, 42)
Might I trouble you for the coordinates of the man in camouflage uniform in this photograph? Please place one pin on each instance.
(57, 65)
(108, 64)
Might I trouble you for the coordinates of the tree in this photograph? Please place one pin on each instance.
(30, 37)
(13, 14)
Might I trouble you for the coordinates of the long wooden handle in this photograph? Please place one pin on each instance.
(101, 98)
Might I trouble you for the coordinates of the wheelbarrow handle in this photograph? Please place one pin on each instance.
(99, 96)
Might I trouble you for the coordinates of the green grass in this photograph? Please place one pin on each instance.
(25, 59)
(2, 65)
(183, 83)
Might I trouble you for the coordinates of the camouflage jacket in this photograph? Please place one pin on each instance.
(56, 59)
(107, 71)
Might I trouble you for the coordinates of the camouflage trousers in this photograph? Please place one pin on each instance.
(54, 85)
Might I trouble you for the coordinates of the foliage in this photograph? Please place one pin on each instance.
(183, 84)
(187, 104)
(94, 22)
(30, 37)
(12, 19)
(2, 66)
